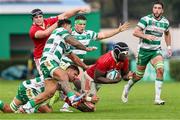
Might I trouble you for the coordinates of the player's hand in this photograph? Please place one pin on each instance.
(150, 37)
(95, 99)
(130, 75)
(91, 48)
(169, 52)
(85, 10)
(123, 27)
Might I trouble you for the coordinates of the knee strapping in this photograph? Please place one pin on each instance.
(140, 73)
(159, 65)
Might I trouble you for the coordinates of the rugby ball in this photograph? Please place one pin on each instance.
(112, 74)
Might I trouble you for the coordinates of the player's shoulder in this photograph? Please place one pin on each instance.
(147, 17)
(60, 29)
(107, 57)
(165, 20)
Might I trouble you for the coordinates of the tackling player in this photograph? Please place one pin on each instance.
(28, 89)
(56, 46)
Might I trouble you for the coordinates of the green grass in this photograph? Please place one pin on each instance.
(140, 105)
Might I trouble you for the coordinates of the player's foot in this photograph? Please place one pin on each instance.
(159, 102)
(124, 96)
(65, 110)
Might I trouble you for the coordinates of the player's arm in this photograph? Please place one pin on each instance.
(44, 33)
(110, 33)
(167, 36)
(77, 60)
(138, 32)
(100, 78)
(73, 12)
(72, 41)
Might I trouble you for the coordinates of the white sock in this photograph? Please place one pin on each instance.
(65, 105)
(130, 84)
(158, 86)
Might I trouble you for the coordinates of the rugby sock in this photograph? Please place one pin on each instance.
(1, 105)
(158, 86)
(13, 106)
(71, 96)
(30, 104)
(130, 84)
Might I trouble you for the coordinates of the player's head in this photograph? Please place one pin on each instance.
(80, 23)
(120, 51)
(157, 9)
(37, 16)
(73, 72)
(65, 23)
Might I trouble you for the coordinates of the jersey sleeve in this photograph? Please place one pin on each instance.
(167, 26)
(63, 33)
(93, 35)
(142, 23)
(68, 50)
(33, 31)
(52, 20)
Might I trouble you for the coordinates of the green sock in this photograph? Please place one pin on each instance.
(31, 104)
(1, 105)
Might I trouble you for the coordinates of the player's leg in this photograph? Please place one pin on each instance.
(10, 108)
(158, 64)
(89, 87)
(37, 62)
(50, 88)
(45, 109)
(136, 77)
(142, 60)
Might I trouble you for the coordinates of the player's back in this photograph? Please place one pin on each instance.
(56, 46)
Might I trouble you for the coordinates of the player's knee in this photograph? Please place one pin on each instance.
(138, 77)
(159, 71)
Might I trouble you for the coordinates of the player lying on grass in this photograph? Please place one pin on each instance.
(116, 59)
(31, 88)
(96, 74)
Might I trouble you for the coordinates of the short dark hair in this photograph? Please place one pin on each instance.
(74, 67)
(159, 2)
(62, 22)
(80, 17)
(36, 12)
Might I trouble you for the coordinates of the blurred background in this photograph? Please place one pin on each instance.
(16, 46)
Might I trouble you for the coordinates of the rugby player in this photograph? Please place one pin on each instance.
(150, 30)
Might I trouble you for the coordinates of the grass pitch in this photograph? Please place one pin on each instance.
(139, 106)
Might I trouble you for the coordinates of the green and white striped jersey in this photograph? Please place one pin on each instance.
(85, 39)
(56, 46)
(36, 83)
(154, 27)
